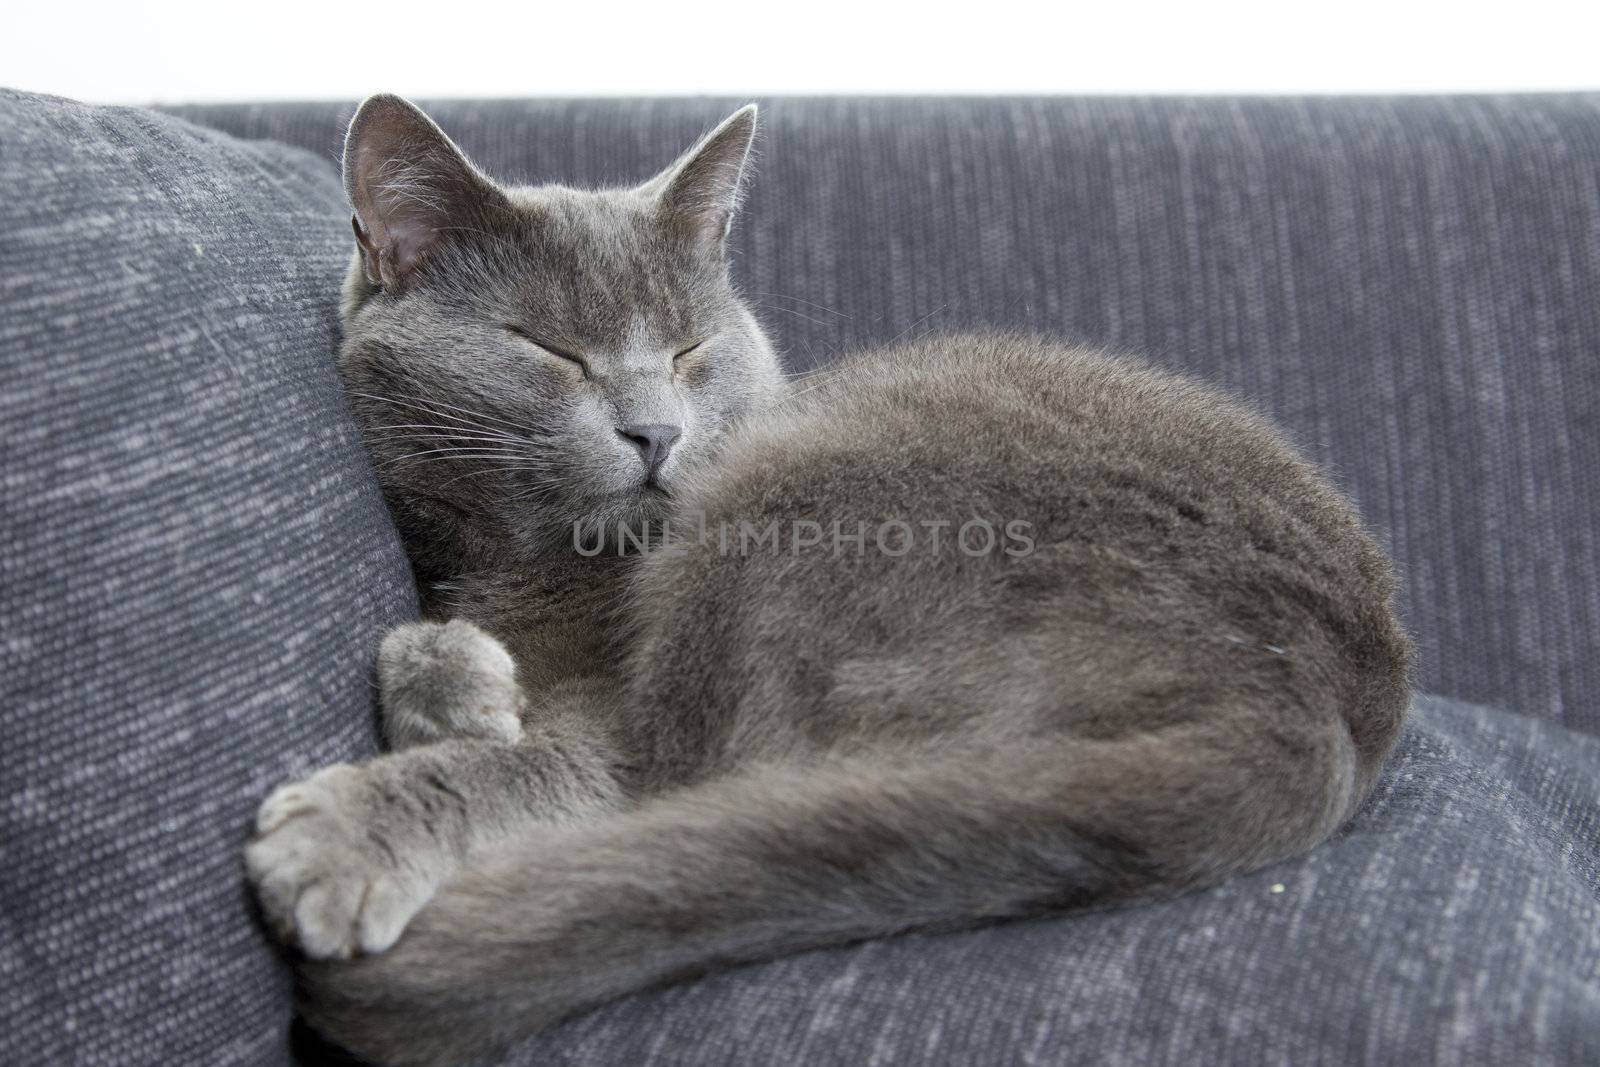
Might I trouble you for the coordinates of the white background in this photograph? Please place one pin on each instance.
(227, 50)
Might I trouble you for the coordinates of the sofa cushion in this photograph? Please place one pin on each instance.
(195, 562)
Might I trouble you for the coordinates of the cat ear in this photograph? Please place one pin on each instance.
(408, 184)
(700, 192)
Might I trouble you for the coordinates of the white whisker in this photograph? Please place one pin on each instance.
(461, 452)
(421, 437)
(421, 405)
(448, 429)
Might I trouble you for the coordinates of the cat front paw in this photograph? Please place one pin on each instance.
(329, 878)
(447, 680)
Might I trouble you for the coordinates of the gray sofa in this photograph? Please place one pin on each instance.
(195, 562)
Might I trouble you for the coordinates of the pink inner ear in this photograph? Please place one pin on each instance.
(396, 237)
(402, 209)
(408, 239)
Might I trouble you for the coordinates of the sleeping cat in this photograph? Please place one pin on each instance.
(717, 668)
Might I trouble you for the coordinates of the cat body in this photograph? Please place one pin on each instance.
(965, 629)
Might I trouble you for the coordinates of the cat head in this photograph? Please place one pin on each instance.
(527, 360)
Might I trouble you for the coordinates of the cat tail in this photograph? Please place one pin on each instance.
(782, 859)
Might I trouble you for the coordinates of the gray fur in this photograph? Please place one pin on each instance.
(725, 756)
(444, 360)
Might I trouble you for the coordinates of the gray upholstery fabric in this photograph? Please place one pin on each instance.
(1456, 922)
(194, 563)
(1412, 285)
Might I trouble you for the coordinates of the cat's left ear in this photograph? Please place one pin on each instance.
(699, 193)
(410, 186)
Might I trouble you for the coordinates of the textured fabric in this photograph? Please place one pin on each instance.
(194, 562)
(1409, 284)
(1455, 922)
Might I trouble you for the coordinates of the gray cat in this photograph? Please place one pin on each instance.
(718, 669)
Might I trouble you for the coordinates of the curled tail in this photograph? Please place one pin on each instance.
(781, 859)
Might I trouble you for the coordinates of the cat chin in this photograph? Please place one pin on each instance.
(653, 508)
(635, 513)
(651, 500)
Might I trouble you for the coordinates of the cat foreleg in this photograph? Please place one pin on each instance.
(342, 860)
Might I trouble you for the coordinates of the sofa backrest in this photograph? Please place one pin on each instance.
(1411, 285)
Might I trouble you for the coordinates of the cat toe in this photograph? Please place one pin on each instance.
(326, 884)
(389, 906)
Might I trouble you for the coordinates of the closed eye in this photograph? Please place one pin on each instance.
(679, 355)
(539, 342)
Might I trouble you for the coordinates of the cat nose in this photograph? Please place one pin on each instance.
(653, 440)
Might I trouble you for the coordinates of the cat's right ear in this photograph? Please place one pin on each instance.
(409, 185)
(698, 194)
